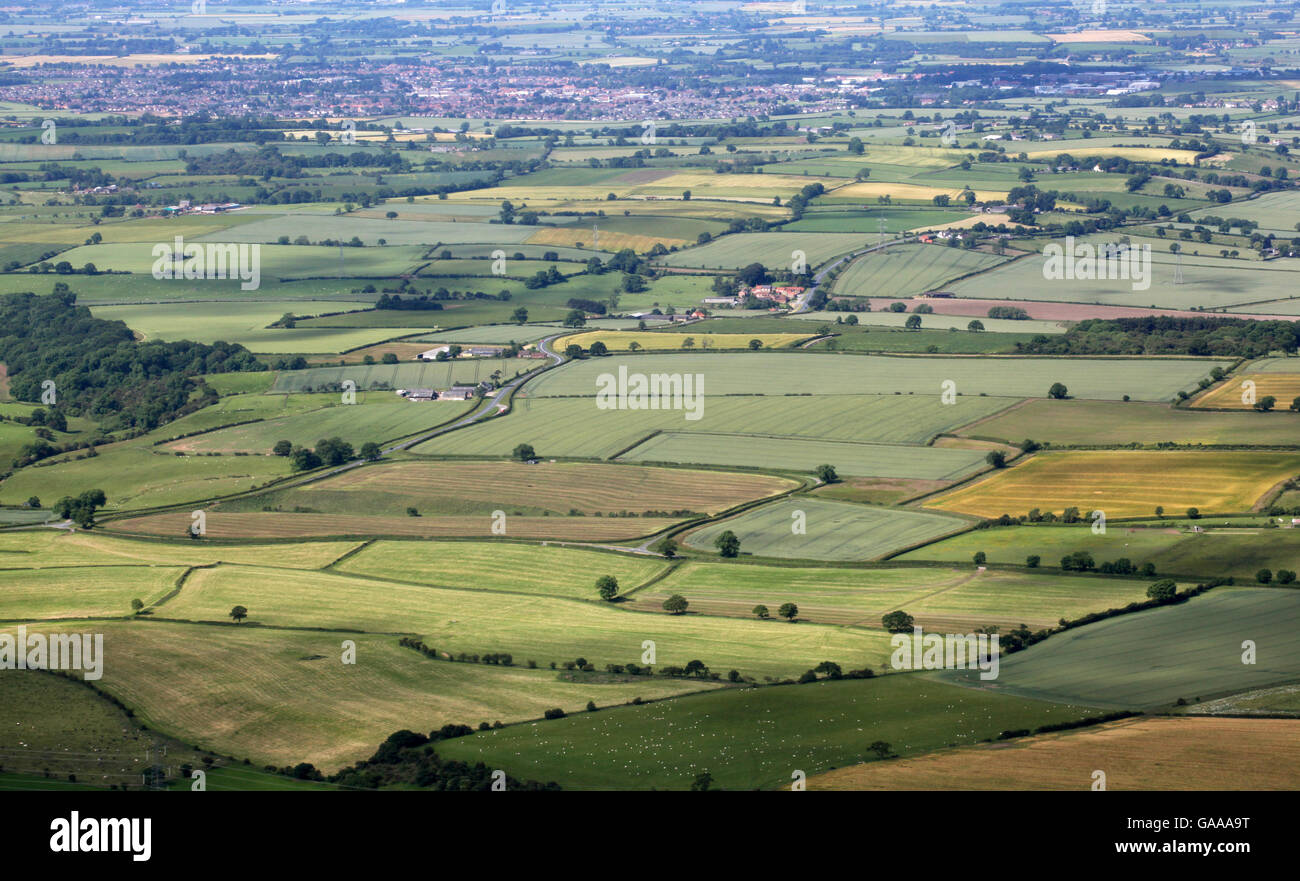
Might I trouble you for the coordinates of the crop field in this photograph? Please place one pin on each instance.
(1234, 393)
(751, 738)
(80, 592)
(896, 220)
(293, 524)
(1218, 551)
(376, 420)
(1148, 660)
(946, 342)
(1084, 423)
(136, 476)
(804, 454)
(543, 422)
(60, 548)
(775, 250)
(621, 341)
(539, 628)
(1211, 282)
(1125, 483)
(777, 374)
(909, 269)
(1272, 211)
(282, 696)
(947, 599)
(830, 530)
(426, 374)
(480, 488)
(1219, 754)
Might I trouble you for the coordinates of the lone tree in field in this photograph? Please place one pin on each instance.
(607, 587)
(755, 345)
(1058, 391)
(897, 622)
(975, 325)
(665, 546)
(727, 544)
(980, 558)
(996, 458)
(761, 612)
(826, 474)
(1266, 403)
(881, 749)
(370, 451)
(1162, 591)
(239, 613)
(1295, 405)
(913, 322)
(282, 448)
(676, 604)
(524, 452)
(788, 611)
(137, 605)
(1264, 576)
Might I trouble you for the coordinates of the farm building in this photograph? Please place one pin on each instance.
(418, 394)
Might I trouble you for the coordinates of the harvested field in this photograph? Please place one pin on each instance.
(1125, 483)
(1194, 753)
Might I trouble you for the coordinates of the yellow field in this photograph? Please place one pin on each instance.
(1194, 753)
(967, 222)
(275, 524)
(609, 241)
(1138, 154)
(621, 340)
(1283, 386)
(1125, 483)
(915, 192)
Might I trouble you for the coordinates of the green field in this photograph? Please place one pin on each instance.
(81, 592)
(283, 697)
(909, 269)
(804, 454)
(1237, 552)
(1104, 423)
(546, 423)
(378, 419)
(135, 475)
(1150, 659)
(776, 374)
(423, 374)
(529, 627)
(775, 250)
(751, 738)
(944, 598)
(831, 530)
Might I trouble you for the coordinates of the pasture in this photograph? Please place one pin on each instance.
(822, 374)
(948, 599)
(757, 737)
(540, 628)
(1217, 754)
(813, 529)
(1171, 547)
(546, 423)
(1112, 423)
(909, 269)
(416, 374)
(805, 454)
(1125, 483)
(1148, 660)
(282, 697)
